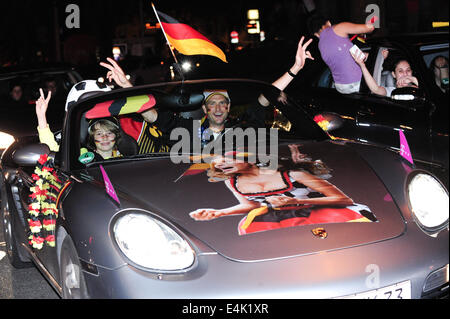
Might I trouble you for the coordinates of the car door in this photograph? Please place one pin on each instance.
(379, 121)
(21, 192)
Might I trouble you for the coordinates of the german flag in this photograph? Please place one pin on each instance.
(186, 40)
(133, 104)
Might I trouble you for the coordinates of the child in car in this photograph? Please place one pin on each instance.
(103, 134)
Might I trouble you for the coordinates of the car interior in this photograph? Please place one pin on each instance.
(241, 102)
(381, 73)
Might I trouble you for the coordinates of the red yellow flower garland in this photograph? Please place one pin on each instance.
(42, 209)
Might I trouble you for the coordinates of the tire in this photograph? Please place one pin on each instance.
(12, 246)
(73, 283)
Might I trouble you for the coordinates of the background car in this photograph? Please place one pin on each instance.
(19, 89)
(125, 226)
(374, 119)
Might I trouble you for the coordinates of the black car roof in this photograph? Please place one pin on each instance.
(412, 39)
(25, 69)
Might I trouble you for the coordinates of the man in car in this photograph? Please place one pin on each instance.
(216, 105)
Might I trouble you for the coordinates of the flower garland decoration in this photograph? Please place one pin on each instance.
(42, 209)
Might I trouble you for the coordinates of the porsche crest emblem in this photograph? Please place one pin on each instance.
(320, 232)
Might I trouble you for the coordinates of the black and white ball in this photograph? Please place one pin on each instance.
(83, 87)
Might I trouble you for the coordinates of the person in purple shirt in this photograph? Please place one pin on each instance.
(334, 46)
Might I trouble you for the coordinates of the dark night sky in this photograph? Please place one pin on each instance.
(27, 26)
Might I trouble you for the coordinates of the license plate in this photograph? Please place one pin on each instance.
(398, 291)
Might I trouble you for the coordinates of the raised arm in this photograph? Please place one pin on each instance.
(116, 73)
(300, 60)
(371, 83)
(41, 109)
(344, 29)
(286, 78)
(45, 135)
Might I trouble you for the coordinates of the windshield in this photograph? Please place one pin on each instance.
(197, 117)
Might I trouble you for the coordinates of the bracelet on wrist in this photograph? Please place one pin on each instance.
(291, 74)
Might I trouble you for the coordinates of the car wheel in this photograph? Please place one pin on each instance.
(12, 248)
(73, 283)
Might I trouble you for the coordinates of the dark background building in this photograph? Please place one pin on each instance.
(36, 31)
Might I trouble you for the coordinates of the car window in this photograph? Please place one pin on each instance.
(59, 82)
(436, 61)
(326, 79)
(139, 138)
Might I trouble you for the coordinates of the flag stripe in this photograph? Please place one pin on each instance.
(135, 104)
(182, 32)
(197, 46)
(187, 40)
(138, 104)
(117, 105)
(151, 103)
(165, 18)
(99, 110)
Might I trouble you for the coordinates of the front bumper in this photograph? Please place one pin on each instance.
(412, 256)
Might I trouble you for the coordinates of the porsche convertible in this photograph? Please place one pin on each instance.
(277, 210)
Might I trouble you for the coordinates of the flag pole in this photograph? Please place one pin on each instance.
(164, 32)
(168, 43)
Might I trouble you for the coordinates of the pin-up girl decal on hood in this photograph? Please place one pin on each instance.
(294, 195)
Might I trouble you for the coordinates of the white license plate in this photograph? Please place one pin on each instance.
(398, 291)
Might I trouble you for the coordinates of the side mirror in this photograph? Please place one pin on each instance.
(29, 155)
(329, 121)
(408, 93)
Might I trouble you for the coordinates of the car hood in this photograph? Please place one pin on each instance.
(166, 189)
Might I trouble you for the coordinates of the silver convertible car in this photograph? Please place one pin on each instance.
(269, 207)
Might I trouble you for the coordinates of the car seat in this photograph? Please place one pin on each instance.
(387, 80)
(127, 145)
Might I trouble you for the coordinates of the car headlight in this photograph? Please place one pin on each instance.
(152, 244)
(5, 140)
(428, 201)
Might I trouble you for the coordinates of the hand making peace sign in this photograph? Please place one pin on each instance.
(116, 73)
(302, 54)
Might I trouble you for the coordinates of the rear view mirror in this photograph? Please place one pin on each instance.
(408, 94)
(29, 155)
(181, 102)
